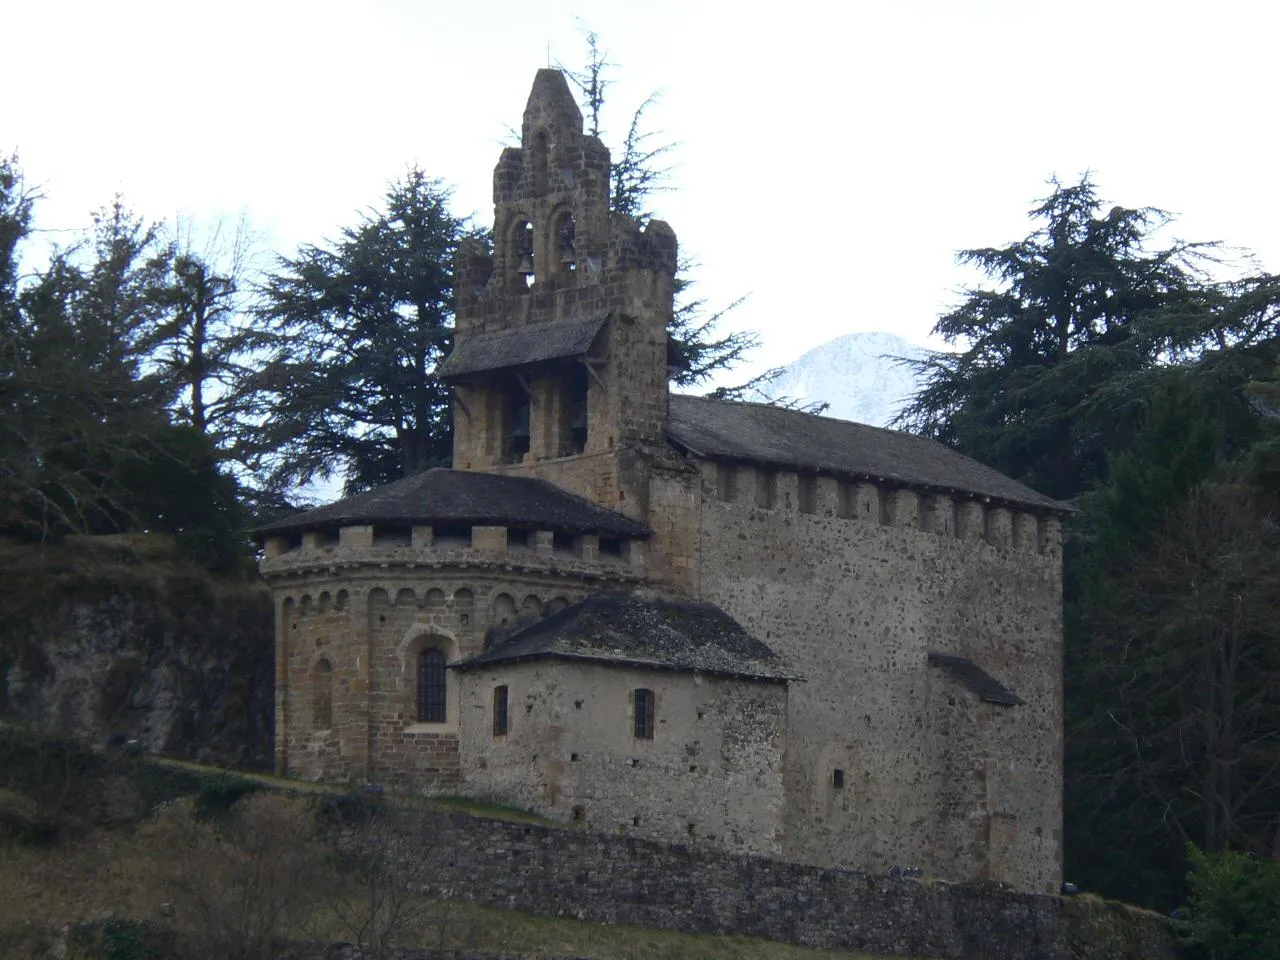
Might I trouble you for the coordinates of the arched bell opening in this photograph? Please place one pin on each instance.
(564, 243)
(520, 241)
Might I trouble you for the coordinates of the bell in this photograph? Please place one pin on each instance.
(526, 265)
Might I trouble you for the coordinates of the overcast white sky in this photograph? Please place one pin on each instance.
(832, 158)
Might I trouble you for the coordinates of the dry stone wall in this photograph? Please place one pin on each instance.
(610, 879)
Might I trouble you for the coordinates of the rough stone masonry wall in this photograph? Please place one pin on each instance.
(348, 633)
(711, 774)
(854, 586)
(626, 880)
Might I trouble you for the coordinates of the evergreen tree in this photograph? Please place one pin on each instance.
(360, 326)
(1102, 368)
(205, 346)
(1081, 304)
(86, 444)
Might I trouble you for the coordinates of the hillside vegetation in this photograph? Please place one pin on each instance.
(228, 866)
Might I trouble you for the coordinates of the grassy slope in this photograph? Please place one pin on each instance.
(121, 872)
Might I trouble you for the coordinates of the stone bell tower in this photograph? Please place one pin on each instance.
(560, 363)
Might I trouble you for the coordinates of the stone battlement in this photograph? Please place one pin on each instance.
(860, 500)
(585, 556)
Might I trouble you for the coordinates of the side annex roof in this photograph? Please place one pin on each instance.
(758, 433)
(635, 631)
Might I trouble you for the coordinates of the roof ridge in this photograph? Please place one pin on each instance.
(818, 416)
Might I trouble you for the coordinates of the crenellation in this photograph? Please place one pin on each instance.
(827, 496)
(970, 520)
(998, 529)
(903, 507)
(1050, 534)
(490, 538)
(359, 537)
(1025, 534)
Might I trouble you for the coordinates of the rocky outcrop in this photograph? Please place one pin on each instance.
(111, 637)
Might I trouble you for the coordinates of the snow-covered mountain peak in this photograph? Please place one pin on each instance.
(854, 373)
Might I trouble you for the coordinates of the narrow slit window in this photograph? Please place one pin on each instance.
(322, 695)
(431, 686)
(643, 714)
(500, 715)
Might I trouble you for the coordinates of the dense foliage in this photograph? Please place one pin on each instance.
(88, 440)
(1129, 379)
(359, 326)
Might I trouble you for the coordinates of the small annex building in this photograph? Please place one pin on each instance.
(692, 619)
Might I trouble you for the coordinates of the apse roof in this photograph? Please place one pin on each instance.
(463, 496)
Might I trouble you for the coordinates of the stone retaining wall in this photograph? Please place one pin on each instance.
(606, 879)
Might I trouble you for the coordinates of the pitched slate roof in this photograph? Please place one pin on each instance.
(731, 430)
(461, 496)
(635, 631)
(520, 346)
(987, 687)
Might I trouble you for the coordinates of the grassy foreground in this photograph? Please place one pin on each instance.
(163, 873)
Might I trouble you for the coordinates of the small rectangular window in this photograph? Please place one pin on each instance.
(611, 547)
(500, 711)
(837, 779)
(644, 714)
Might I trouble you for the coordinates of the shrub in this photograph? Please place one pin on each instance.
(1235, 906)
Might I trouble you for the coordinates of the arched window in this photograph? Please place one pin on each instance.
(643, 714)
(431, 686)
(322, 695)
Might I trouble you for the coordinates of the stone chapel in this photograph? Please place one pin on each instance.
(697, 620)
